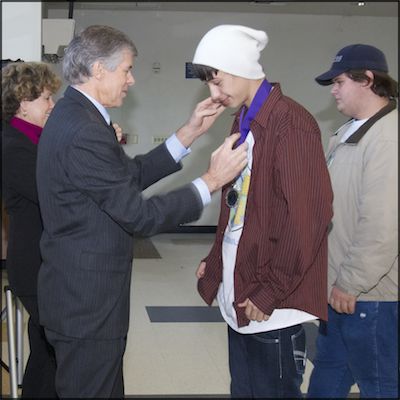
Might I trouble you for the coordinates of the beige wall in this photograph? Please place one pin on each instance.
(21, 26)
(300, 48)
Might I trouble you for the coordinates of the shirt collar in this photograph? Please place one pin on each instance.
(262, 117)
(100, 107)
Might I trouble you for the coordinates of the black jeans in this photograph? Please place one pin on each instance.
(267, 364)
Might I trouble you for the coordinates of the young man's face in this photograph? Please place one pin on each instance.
(229, 90)
(348, 95)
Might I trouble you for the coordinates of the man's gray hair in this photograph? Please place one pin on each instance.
(96, 43)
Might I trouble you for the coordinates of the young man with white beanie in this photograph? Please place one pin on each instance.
(268, 265)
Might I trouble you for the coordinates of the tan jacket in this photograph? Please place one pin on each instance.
(363, 242)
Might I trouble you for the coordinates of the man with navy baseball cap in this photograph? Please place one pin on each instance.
(359, 343)
(355, 56)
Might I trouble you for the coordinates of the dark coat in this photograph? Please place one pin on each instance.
(21, 204)
(91, 201)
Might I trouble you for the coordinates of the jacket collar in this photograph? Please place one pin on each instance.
(363, 129)
(263, 114)
(76, 95)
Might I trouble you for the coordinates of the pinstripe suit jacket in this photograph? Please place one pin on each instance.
(91, 204)
(282, 254)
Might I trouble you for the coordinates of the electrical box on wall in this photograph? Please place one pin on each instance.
(56, 34)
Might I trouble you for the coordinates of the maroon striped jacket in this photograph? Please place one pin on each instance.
(282, 255)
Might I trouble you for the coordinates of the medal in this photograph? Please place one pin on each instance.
(232, 197)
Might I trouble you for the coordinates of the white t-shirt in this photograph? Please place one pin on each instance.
(280, 318)
(353, 125)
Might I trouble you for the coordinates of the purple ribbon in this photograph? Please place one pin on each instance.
(259, 99)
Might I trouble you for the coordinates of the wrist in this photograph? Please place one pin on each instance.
(185, 136)
(211, 182)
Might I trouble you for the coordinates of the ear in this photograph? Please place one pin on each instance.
(370, 75)
(23, 107)
(98, 70)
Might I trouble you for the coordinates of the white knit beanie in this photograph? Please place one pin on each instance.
(233, 49)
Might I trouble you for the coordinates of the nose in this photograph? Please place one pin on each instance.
(334, 88)
(51, 101)
(215, 92)
(131, 79)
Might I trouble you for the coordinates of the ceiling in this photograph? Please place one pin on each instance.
(374, 8)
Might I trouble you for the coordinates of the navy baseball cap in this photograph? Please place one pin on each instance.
(355, 56)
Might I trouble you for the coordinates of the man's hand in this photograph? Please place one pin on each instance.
(118, 131)
(342, 302)
(226, 163)
(252, 312)
(201, 270)
(204, 115)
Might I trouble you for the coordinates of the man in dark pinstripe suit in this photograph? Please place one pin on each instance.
(91, 204)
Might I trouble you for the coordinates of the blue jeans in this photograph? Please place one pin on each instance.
(267, 364)
(358, 348)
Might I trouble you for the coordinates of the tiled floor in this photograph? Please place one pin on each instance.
(171, 358)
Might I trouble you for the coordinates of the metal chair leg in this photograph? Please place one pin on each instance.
(11, 343)
(19, 335)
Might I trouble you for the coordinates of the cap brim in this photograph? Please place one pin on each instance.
(325, 79)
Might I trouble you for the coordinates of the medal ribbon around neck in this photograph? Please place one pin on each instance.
(232, 196)
(259, 99)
